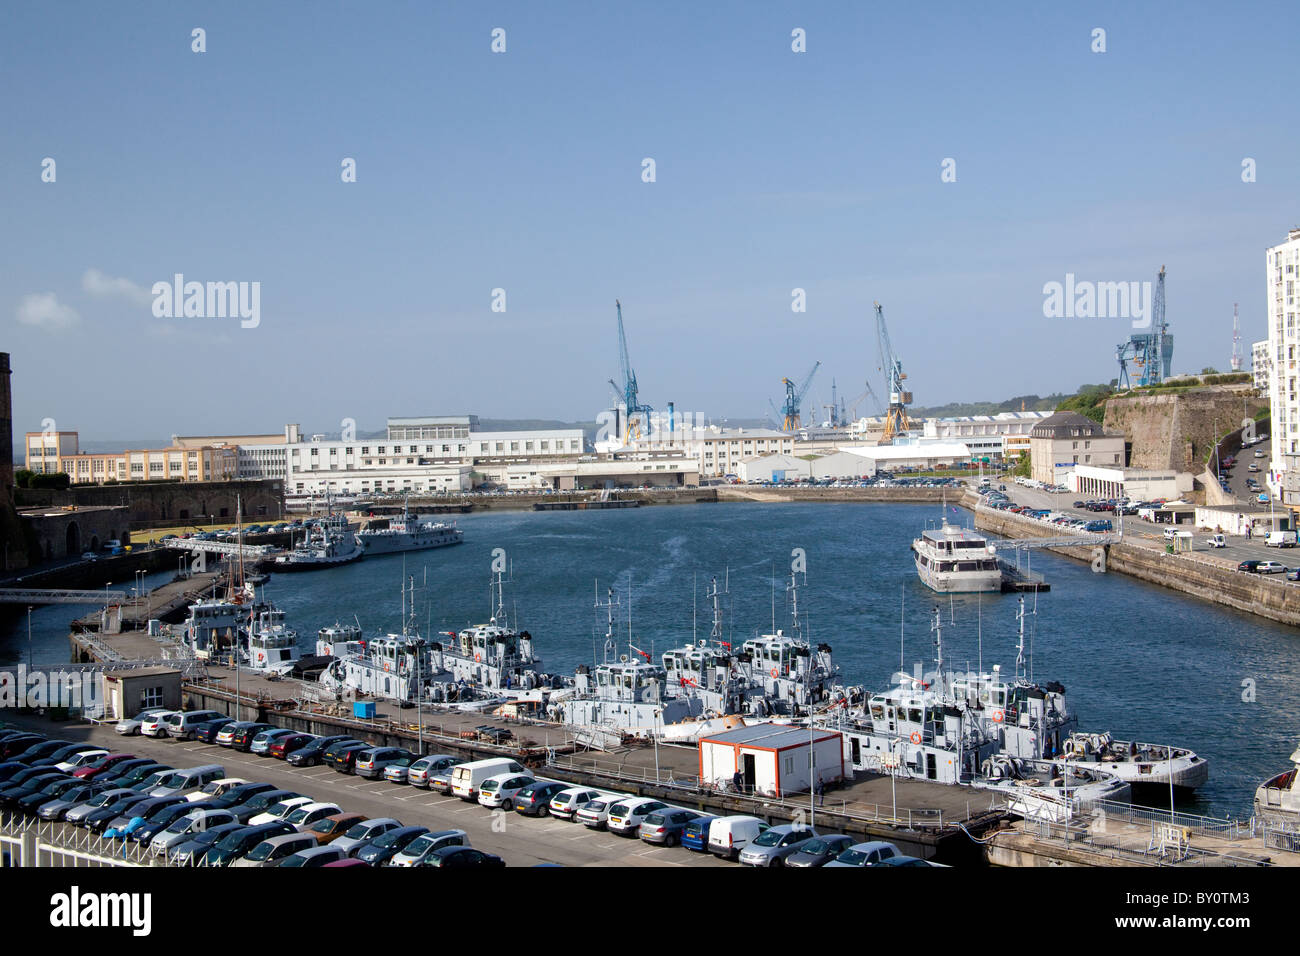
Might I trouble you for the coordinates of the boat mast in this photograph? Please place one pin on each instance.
(610, 603)
(938, 648)
(1020, 647)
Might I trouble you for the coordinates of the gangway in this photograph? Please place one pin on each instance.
(1088, 539)
(36, 596)
(220, 547)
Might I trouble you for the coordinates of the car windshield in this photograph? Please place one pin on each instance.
(770, 838)
(595, 806)
(420, 844)
(261, 851)
(209, 837)
(853, 857)
(300, 814)
(180, 825)
(391, 837)
(324, 826)
(618, 810)
(490, 785)
(175, 780)
(655, 819)
(816, 846)
(357, 832)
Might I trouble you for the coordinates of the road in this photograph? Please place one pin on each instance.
(1136, 529)
(519, 840)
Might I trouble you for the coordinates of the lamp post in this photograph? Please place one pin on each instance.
(29, 637)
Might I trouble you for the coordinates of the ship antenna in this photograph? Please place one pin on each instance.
(902, 627)
(1020, 648)
(938, 647)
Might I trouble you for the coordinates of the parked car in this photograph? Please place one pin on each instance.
(361, 834)
(93, 770)
(415, 852)
(729, 835)
(595, 813)
(130, 726)
(312, 753)
(55, 809)
(819, 851)
(370, 763)
(343, 758)
(772, 847)
(261, 744)
(189, 852)
(534, 799)
(226, 736)
(279, 812)
(1271, 567)
(242, 739)
(61, 757)
(328, 829)
(207, 731)
(283, 747)
(302, 817)
(139, 814)
(665, 827)
(153, 726)
(500, 790)
(314, 856)
(397, 771)
(382, 849)
(237, 843)
(1217, 541)
(182, 829)
(275, 849)
(865, 854)
(695, 835)
(260, 803)
(462, 857)
(565, 804)
(626, 816)
(1248, 566)
(420, 770)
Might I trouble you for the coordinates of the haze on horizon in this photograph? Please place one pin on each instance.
(522, 171)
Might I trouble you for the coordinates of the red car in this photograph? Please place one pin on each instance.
(287, 745)
(99, 766)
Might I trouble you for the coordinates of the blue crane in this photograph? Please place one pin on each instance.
(633, 411)
(794, 399)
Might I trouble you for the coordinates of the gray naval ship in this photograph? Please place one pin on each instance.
(980, 728)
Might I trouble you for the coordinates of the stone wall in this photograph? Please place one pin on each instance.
(152, 504)
(1264, 594)
(1178, 430)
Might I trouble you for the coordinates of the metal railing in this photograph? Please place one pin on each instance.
(1204, 826)
(29, 842)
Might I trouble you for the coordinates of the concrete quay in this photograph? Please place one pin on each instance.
(1143, 556)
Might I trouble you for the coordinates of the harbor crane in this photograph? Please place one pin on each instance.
(896, 420)
(634, 413)
(1152, 351)
(794, 399)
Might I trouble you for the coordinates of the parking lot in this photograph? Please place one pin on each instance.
(519, 840)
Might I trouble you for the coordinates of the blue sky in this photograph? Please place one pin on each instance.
(522, 171)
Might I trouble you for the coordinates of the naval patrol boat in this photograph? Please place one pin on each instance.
(407, 533)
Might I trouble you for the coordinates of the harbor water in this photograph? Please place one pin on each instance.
(1137, 660)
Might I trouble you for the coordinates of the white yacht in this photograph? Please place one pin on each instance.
(955, 560)
(1146, 767)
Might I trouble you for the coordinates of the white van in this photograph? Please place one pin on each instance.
(1280, 539)
(466, 778)
(182, 782)
(729, 835)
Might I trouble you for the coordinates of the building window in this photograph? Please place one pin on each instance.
(151, 697)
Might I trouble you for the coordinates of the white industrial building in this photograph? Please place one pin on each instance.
(1282, 275)
(1005, 434)
(1135, 483)
(772, 759)
(1228, 519)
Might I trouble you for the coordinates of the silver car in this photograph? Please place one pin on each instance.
(130, 726)
(364, 832)
(419, 848)
(186, 827)
(771, 847)
(261, 744)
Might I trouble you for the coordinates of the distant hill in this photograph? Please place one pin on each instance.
(1028, 403)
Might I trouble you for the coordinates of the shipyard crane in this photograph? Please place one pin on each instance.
(855, 402)
(896, 420)
(633, 411)
(1151, 351)
(794, 399)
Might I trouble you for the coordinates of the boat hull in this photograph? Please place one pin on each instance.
(375, 546)
(318, 565)
(959, 582)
